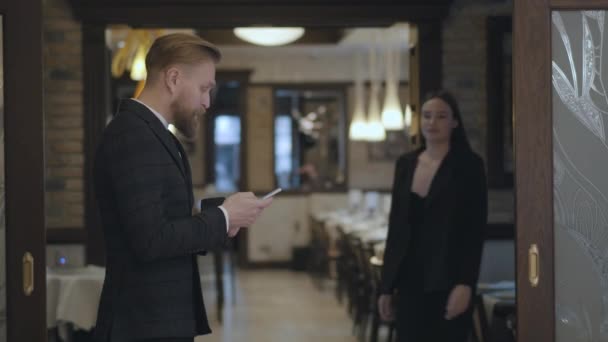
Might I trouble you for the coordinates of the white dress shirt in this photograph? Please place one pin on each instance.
(166, 124)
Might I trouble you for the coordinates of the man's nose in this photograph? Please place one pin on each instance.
(206, 102)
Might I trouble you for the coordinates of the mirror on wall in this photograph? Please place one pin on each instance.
(310, 138)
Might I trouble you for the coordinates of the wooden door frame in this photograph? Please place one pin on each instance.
(533, 167)
(534, 160)
(24, 166)
(96, 99)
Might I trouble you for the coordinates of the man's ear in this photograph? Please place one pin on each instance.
(172, 79)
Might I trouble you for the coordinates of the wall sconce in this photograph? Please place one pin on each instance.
(138, 68)
(132, 55)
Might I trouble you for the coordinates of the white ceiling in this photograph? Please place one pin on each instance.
(354, 39)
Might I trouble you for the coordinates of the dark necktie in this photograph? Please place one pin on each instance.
(185, 164)
(180, 150)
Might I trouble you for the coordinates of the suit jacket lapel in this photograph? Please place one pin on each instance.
(442, 178)
(186, 165)
(403, 185)
(165, 137)
(407, 177)
(159, 130)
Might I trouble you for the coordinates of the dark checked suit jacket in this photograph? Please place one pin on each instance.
(144, 190)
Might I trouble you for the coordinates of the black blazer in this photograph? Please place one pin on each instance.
(454, 222)
(144, 191)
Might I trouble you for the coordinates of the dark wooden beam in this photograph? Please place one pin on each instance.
(430, 52)
(151, 3)
(578, 5)
(66, 236)
(226, 15)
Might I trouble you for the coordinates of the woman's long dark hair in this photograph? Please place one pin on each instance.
(459, 138)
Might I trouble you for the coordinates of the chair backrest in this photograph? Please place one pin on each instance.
(355, 197)
(497, 261)
(372, 200)
(386, 204)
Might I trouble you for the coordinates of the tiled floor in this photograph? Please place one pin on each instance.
(276, 306)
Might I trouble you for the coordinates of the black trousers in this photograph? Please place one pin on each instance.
(420, 318)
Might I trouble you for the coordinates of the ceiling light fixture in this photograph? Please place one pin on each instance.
(269, 36)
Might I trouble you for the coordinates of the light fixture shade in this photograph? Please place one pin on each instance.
(358, 125)
(269, 36)
(357, 130)
(375, 130)
(392, 114)
(138, 69)
(408, 116)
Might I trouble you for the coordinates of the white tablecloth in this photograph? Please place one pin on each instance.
(73, 297)
(494, 293)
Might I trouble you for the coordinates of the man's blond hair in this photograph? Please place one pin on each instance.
(179, 48)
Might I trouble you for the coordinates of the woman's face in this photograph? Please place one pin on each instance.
(437, 121)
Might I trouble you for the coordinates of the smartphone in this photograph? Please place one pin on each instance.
(272, 193)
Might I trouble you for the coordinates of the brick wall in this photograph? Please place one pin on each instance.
(464, 73)
(63, 116)
(260, 137)
(464, 61)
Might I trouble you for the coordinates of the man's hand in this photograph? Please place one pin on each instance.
(233, 231)
(243, 209)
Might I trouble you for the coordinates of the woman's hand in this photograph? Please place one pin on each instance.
(458, 301)
(385, 307)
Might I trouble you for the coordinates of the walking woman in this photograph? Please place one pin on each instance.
(436, 226)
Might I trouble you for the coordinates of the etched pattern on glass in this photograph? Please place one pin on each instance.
(580, 182)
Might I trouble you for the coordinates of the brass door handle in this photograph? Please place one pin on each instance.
(533, 265)
(28, 274)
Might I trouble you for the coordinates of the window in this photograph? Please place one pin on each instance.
(223, 134)
(284, 154)
(227, 139)
(310, 138)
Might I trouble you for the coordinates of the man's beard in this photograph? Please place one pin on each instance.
(187, 121)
